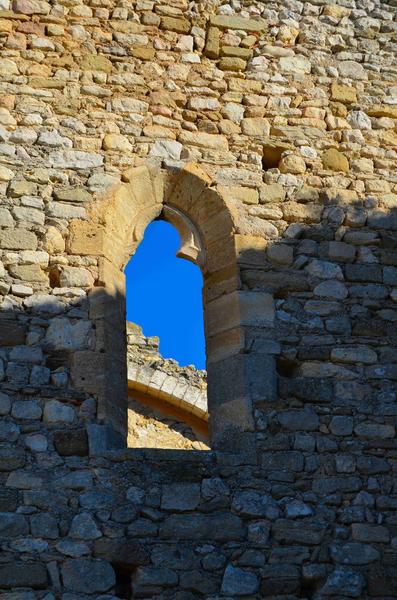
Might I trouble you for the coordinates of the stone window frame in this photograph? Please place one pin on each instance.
(239, 372)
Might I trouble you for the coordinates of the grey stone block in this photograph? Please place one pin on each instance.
(73, 442)
(11, 459)
(44, 525)
(23, 574)
(291, 461)
(88, 576)
(343, 582)
(299, 420)
(255, 504)
(239, 582)
(12, 525)
(180, 496)
(125, 553)
(353, 553)
(332, 484)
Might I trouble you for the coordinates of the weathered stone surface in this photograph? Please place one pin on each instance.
(292, 164)
(253, 504)
(324, 270)
(331, 289)
(129, 553)
(53, 241)
(179, 24)
(12, 332)
(299, 420)
(83, 527)
(26, 409)
(62, 334)
(11, 459)
(222, 527)
(180, 497)
(24, 574)
(18, 239)
(71, 443)
(239, 582)
(76, 277)
(12, 525)
(330, 485)
(295, 64)
(204, 140)
(334, 160)
(56, 412)
(75, 159)
(344, 582)
(292, 532)
(5, 404)
(9, 432)
(87, 576)
(236, 22)
(71, 195)
(360, 354)
(212, 45)
(114, 141)
(374, 430)
(363, 532)
(256, 127)
(292, 461)
(94, 62)
(354, 554)
(343, 93)
(44, 525)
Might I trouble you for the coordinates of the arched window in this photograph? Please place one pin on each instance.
(240, 370)
(167, 399)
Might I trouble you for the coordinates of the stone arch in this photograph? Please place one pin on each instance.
(188, 199)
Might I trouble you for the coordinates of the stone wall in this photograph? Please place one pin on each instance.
(272, 128)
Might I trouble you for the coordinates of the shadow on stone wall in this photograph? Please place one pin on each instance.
(317, 499)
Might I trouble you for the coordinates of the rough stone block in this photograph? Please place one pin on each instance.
(290, 461)
(12, 333)
(354, 553)
(241, 308)
(239, 582)
(364, 532)
(13, 525)
(23, 574)
(57, 412)
(73, 442)
(18, 239)
(88, 576)
(237, 22)
(125, 554)
(180, 496)
(11, 459)
(196, 526)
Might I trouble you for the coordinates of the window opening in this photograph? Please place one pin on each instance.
(164, 296)
(167, 404)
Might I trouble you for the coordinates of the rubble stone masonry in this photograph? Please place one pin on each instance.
(266, 132)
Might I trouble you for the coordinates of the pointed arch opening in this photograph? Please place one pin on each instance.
(167, 387)
(189, 200)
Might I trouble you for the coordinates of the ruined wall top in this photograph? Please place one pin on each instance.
(163, 378)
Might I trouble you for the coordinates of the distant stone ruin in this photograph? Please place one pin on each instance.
(167, 404)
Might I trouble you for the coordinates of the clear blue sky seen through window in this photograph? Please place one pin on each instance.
(164, 295)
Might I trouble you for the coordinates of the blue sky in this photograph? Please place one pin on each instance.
(164, 295)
